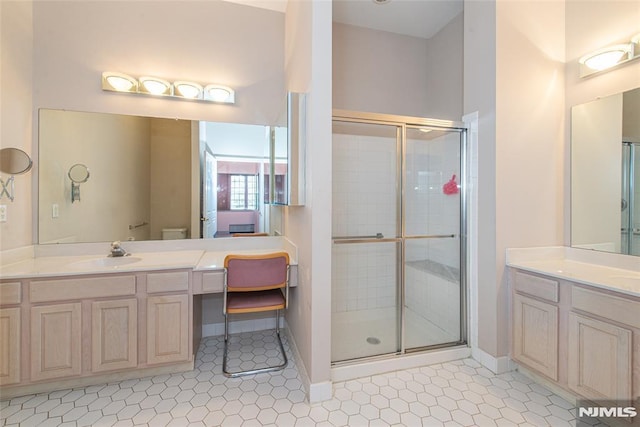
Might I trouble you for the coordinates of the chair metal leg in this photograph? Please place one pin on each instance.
(253, 371)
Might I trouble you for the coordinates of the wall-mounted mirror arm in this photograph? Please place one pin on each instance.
(13, 161)
(78, 174)
(7, 188)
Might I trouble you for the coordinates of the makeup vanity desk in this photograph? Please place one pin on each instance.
(71, 316)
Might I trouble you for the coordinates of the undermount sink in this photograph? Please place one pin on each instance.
(106, 262)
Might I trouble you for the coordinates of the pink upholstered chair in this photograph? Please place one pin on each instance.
(255, 283)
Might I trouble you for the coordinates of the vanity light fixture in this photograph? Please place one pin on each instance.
(219, 93)
(609, 57)
(187, 89)
(155, 86)
(118, 82)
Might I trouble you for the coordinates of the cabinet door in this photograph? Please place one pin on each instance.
(9, 346)
(535, 335)
(599, 358)
(114, 335)
(167, 329)
(56, 341)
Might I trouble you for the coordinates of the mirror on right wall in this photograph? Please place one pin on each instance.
(605, 174)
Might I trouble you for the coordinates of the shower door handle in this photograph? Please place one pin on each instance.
(378, 237)
(431, 236)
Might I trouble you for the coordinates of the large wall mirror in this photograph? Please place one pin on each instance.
(605, 174)
(154, 178)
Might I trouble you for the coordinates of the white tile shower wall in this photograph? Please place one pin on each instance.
(363, 277)
(364, 186)
(364, 204)
(434, 299)
(430, 165)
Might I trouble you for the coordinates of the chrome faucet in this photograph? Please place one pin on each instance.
(117, 250)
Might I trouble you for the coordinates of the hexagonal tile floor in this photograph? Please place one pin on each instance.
(460, 393)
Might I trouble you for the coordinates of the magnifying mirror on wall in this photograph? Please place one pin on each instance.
(13, 161)
(78, 174)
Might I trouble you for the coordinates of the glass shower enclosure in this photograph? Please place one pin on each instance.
(630, 209)
(398, 254)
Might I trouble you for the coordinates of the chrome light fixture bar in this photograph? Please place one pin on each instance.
(154, 86)
(609, 57)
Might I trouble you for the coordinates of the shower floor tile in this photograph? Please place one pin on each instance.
(373, 332)
(459, 393)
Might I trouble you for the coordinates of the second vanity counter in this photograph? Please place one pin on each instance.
(613, 272)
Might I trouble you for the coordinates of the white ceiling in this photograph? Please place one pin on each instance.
(417, 18)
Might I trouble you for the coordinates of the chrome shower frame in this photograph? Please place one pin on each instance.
(404, 122)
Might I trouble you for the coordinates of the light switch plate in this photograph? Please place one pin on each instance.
(55, 211)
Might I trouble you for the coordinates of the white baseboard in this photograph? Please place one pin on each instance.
(374, 367)
(319, 392)
(239, 326)
(497, 365)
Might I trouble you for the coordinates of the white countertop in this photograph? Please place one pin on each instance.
(69, 260)
(91, 264)
(620, 273)
(214, 260)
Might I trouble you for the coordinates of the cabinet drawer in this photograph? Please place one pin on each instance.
(167, 282)
(213, 282)
(535, 286)
(608, 306)
(82, 288)
(10, 293)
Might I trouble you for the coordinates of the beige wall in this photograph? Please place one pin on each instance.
(383, 72)
(211, 41)
(308, 53)
(238, 45)
(480, 95)
(529, 135)
(592, 25)
(444, 71)
(378, 71)
(514, 79)
(16, 68)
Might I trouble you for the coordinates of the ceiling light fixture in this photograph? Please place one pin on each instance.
(118, 82)
(609, 57)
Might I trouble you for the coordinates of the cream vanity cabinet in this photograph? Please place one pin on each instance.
(582, 338)
(168, 317)
(73, 328)
(10, 332)
(600, 351)
(72, 315)
(535, 323)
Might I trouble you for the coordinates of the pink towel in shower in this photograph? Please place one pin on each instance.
(451, 187)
